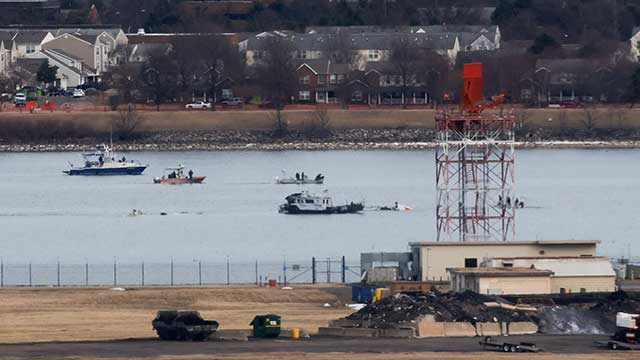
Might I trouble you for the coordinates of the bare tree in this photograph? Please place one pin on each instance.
(159, 77)
(127, 123)
(216, 55)
(125, 79)
(341, 50)
(404, 59)
(589, 121)
(276, 76)
(318, 126)
(433, 72)
(185, 52)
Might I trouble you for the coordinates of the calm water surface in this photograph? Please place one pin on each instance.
(45, 215)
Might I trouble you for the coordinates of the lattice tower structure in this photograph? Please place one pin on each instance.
(475, 164)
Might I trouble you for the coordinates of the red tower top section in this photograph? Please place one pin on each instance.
(472, 86)
(472, 90)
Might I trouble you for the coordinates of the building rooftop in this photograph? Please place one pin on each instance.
(506, 243)
(501, 271)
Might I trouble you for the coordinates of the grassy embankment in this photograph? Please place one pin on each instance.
(87, 123)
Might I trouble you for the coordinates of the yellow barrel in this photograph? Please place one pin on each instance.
(295, 333)
(378, 294)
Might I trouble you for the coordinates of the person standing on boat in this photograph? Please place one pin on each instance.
(190, 174)
(297, 176)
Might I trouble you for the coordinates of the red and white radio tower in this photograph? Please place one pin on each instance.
(475, 168)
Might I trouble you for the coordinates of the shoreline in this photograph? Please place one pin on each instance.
(307, 146)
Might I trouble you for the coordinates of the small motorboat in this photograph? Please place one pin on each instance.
(299, 179)
(395, 207)
(106, 162)
(176, 176)
(306, 203)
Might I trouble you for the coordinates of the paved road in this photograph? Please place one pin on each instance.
(568, 344)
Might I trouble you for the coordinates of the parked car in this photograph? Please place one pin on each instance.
(78, 93)
(91, 91)
(570, 104)
(266, 105)
(198, 105)
(233, 101)
(69, 91)
(54, 91)
(20, 99)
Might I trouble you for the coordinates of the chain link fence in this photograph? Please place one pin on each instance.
(178, 273)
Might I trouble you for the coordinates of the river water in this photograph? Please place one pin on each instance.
(46, 215)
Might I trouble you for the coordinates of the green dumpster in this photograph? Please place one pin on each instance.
(266, 326)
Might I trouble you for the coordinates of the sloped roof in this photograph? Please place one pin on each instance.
(427, 29)
(63, 53)
(7, 35)
(30, 36)
(145, 49)
(324, 66)
(570, 65)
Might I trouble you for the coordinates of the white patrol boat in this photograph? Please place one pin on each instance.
(305, 203)
(106, 162)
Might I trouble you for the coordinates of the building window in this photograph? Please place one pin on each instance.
(301, 54)
(304, 80)
(356, 96)
(258, 54)
(304, 95)
(470, 263)
(322, 80)
(332, 79)
(31, 48)
(104, 50)
(227, 93)
(373, 54)
(340, 78)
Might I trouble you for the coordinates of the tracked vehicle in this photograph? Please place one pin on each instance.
(183, 325)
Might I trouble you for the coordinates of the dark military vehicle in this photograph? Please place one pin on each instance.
(183, 325)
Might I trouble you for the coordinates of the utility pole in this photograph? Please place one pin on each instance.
(284, 271)
(313, 270)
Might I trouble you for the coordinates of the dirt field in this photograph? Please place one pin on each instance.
(99, 323)
(63, 314)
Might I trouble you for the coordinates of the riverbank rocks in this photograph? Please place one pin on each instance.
(353, 139)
